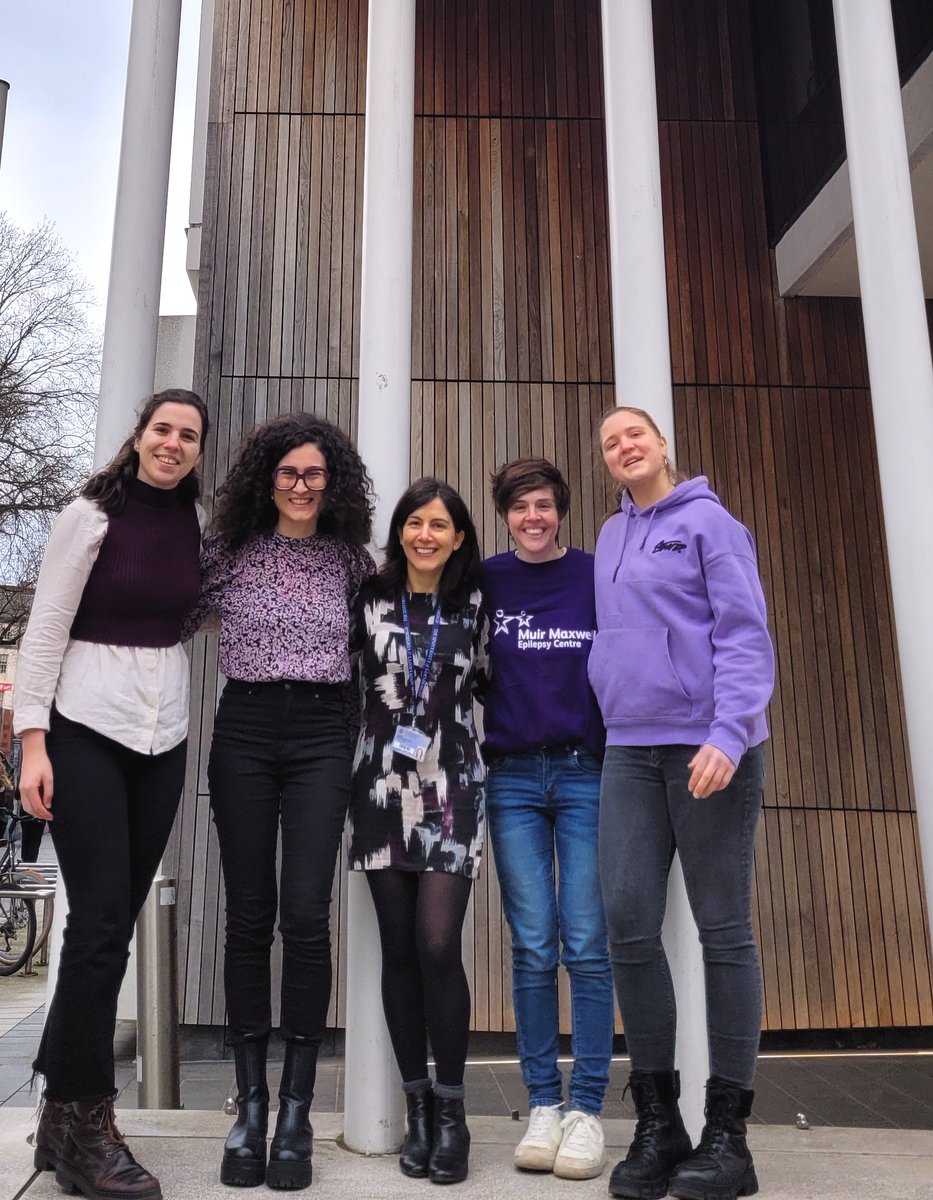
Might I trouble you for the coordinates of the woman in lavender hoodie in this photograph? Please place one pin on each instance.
(683, 669)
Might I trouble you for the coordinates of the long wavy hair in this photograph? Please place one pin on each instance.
(107, 487)
(461, 572)
(244, 500)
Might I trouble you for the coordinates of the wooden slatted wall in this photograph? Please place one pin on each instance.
(278, 331)
(512, 355)
(772, 403)
(512, 344)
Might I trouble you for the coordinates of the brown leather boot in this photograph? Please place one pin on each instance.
(96, 1161)
(54, 1120)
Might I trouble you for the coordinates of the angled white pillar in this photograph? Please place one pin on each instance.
(642, 363)
(132, 321)
(899, 366)
(373, 1105)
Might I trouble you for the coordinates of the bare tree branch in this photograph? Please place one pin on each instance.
(49, 368)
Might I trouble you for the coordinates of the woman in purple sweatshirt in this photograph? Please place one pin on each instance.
(543, 749)
(683, 669)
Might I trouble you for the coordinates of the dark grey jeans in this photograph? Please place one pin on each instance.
(646, 812)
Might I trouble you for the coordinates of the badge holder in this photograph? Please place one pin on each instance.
(408, 739)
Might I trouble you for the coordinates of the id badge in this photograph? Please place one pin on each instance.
(411, 742)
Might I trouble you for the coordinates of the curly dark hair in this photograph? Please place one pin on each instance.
(107, 487)
(461, 571)
(244, 500)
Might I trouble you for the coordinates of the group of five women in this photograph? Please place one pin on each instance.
(623, 699)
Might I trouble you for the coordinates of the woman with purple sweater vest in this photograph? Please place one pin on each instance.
(281, 570)
(683, 669)
(101, 704)
(543, 750)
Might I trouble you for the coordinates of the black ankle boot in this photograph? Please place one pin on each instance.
(721, 1167)
(244, 1160)
(450, 1151)
(416, 1151)
(292, 1145)
(660, 1141)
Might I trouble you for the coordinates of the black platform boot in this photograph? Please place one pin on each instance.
(416, 1150)
(721, 1167)
(292, 1145)
(244, 1160)
(660, 1141)
(450, 1151)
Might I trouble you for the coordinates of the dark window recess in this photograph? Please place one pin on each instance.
(799, 104)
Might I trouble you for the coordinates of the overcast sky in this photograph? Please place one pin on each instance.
(65, 61)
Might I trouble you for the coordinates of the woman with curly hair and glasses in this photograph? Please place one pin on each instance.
(282, 567)
(418, 802)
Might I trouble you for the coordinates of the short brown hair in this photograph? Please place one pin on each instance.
(522, 475)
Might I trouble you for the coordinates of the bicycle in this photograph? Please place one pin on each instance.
(19, 895)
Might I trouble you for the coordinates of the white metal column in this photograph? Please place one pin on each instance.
(642, 363)
(132, 322)
(899, 364)
(373, 1104)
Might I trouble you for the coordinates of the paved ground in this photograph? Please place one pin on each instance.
(870, 1117)
(183, 1149)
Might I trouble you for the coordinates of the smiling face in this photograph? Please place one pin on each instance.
(299, 507)
(428, 538)
(534, 522)
(636, 456)
(170, 445)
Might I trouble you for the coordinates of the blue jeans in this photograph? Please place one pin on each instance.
(646, 812)
(541, 806)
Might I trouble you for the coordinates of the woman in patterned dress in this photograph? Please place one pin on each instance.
(281, 572)
(418, 802)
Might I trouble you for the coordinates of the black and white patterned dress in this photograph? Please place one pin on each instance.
(408, 815)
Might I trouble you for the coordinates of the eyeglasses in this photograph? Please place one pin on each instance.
(314, 478)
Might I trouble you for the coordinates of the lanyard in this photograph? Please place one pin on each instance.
(418, 692)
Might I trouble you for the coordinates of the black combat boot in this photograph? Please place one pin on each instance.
(660, 1141)
(292, 1144)
(244, 1160)
(416, 1151)
(96, 1161)
(721, 1167)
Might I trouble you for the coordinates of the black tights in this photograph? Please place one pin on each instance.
(424, 986)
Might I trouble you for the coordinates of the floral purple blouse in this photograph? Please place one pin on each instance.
(284, 606)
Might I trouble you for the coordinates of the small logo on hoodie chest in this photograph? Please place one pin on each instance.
(673, 547)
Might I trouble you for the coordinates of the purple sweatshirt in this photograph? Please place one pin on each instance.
(683, 653)
(542, 621)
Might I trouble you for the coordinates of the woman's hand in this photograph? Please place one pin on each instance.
(710, 771)
(35, 777)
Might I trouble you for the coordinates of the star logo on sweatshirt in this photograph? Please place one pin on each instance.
(503, 622)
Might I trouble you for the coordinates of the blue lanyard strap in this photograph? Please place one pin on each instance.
(418, 692)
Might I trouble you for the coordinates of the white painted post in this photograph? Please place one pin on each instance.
(899, 364)
(373, 1103)
(132, 320)
(641, 347)
(4, 92)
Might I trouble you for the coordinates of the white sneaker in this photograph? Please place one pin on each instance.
(538, 1148)
(582, 1153)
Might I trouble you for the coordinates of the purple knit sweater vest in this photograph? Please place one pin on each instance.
(145, 580)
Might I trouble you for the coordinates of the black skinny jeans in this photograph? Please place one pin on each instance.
(280, 754)
(113, 810)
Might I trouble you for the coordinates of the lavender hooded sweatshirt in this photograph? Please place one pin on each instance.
(682, 654)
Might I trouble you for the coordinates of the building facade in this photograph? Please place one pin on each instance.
(512, 353)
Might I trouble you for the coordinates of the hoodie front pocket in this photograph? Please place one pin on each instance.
(633, 676)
